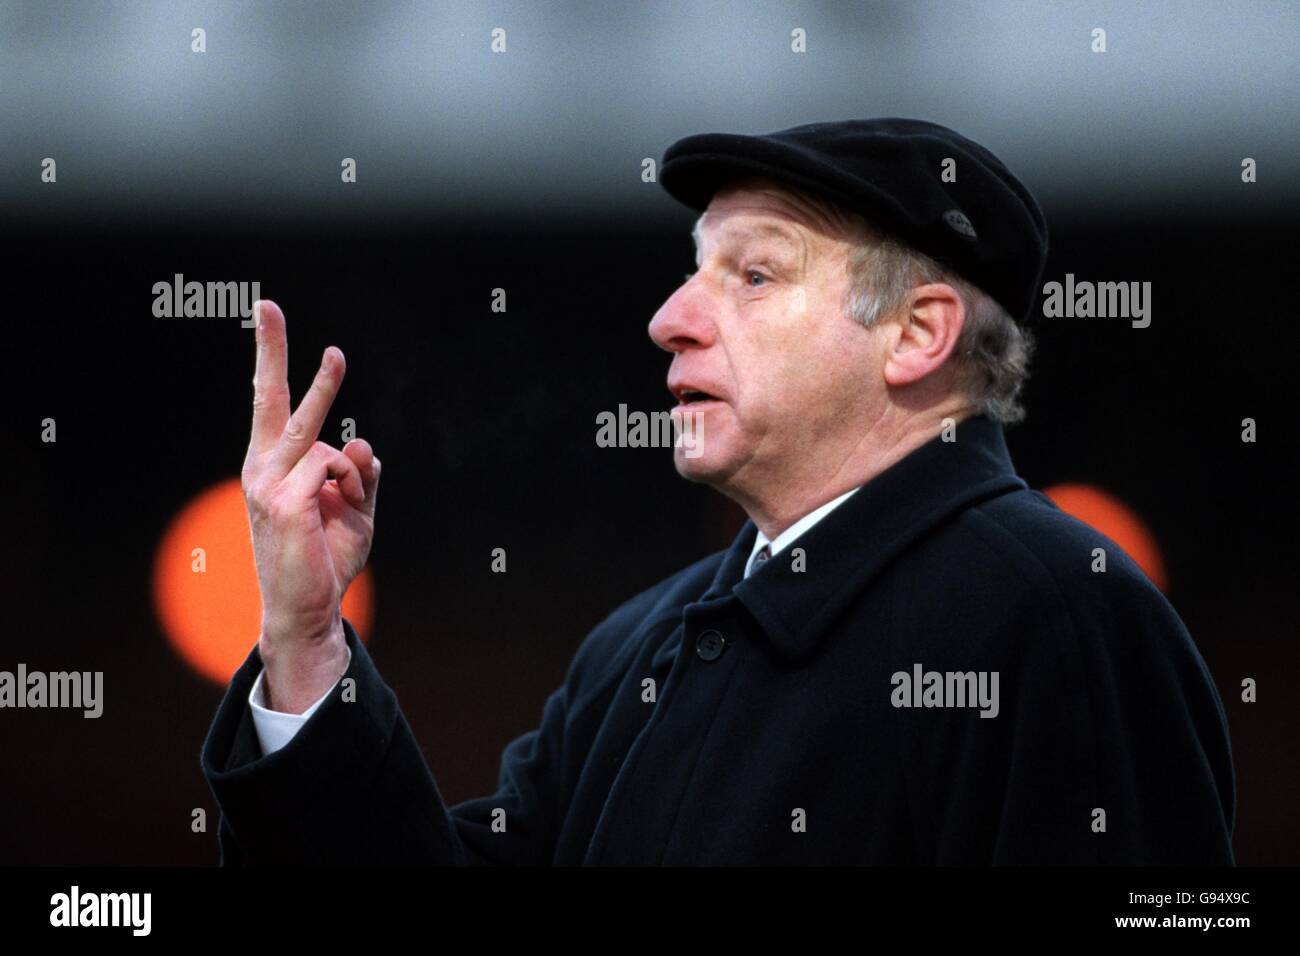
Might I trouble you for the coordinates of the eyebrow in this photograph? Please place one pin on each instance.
(767, 230)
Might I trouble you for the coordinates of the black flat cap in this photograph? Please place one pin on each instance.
(985, 226)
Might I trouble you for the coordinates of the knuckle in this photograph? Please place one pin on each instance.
(295, 430)
(265, 395)
(257, 496)
(269, 385)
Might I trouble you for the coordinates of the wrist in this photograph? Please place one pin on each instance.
(298, 671)
(295, 635)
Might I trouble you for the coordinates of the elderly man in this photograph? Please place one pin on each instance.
(905, 657)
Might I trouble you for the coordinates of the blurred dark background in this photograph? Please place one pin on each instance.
(478, 171)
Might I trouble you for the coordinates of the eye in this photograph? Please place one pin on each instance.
(751, 274)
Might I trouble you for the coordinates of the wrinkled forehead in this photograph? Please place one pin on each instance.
(777, 210)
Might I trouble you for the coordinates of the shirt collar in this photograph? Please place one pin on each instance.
(867, 531)
(787, 537)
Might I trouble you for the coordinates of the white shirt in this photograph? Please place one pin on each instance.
(275, 729)
(786, 537)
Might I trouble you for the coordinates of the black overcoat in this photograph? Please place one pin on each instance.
(788, 718)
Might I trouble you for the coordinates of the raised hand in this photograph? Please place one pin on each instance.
(311, 508)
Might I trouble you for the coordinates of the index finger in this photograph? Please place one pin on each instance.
(271, 379)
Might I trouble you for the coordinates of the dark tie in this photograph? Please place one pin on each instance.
(760, 556)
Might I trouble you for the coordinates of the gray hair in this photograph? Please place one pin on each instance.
(992, 351)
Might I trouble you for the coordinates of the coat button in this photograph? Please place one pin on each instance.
(709, 645)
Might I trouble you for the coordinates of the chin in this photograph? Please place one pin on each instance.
(704, 468)
(711, 460)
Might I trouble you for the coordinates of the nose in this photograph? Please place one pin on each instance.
(685, 320)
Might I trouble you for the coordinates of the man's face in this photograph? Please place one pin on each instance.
(790, 381)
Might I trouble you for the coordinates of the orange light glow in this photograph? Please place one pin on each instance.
(213, 618)
(1116, 521)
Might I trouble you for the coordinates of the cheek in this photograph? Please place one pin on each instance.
(826, 366)
(796, 350)
(809, 342)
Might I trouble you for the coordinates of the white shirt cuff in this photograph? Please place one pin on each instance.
(276, 728)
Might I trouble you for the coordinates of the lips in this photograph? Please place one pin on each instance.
(692, 393)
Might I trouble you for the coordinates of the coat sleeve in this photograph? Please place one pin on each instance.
(352, 786)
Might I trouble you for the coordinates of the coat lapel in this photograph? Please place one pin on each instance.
(844, 551)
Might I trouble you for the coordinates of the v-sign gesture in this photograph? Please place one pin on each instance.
(311, 508)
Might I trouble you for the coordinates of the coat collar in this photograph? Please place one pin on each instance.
(876, 524)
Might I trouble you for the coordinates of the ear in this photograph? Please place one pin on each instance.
(927, 334)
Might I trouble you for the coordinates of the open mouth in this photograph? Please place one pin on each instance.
(690, 396)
